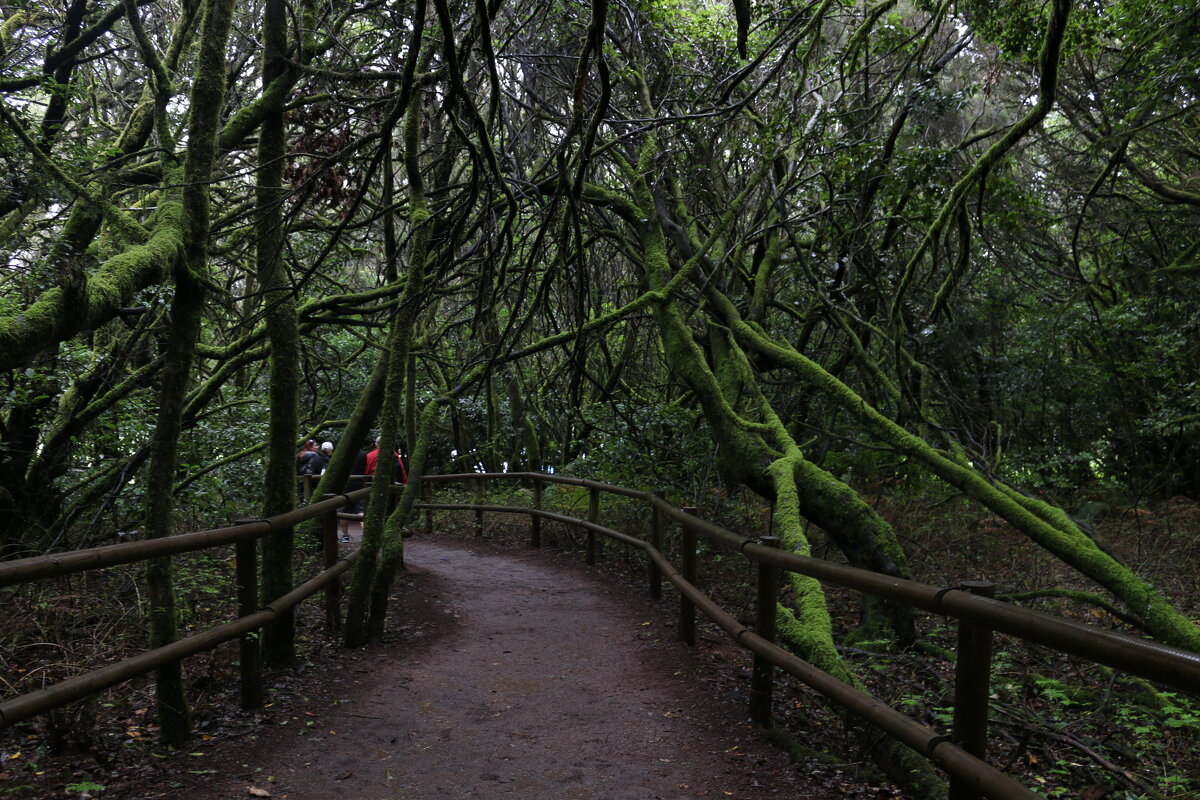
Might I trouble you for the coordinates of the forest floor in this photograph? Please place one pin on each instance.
(485, 686)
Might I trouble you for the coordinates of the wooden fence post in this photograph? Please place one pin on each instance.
(479, 501)
(535, 522)
(593, 517)
(427, 493)
(762, 679)
(333, 592)
(250, 652)
(687, 561)
(656, 541)
(972, 684)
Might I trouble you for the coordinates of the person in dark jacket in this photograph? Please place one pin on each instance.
(308, 466)
(309, 461)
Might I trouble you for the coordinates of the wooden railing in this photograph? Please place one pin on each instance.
(961, 754)
(252, 616)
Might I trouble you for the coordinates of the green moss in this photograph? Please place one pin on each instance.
(51, 318)
(14, 218)
(836, 504)
(1048, 527)
(16, 330)
(808, 630)
(7, 28)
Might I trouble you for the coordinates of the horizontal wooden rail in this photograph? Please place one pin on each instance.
(936, 747)
(1144, 657)
(24, 570)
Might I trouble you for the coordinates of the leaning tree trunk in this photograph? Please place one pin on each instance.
(392, 559)
(375, 519)
(1045, 525)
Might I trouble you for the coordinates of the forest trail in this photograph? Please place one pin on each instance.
(515, 676)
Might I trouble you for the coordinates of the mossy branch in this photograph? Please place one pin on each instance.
(111, 287)
(1048, 527)
(125, 225)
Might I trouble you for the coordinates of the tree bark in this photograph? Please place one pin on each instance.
(283, 333)
(186, 310)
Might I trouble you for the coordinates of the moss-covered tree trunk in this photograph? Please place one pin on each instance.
(279, 494)
(375, 519)
(208, 93)
(392, 559)
(170, 695)
(382, 550)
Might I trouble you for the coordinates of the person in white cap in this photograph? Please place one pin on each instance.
(326, 455)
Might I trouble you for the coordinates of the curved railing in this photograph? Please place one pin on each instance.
(978, 615)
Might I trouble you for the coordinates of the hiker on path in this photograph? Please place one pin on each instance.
(400, 475)
(309, 462)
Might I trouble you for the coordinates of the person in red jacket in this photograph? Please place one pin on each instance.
(399, 476)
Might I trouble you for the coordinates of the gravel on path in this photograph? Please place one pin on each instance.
(515, 676)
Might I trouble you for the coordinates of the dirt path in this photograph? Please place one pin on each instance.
(523, 679)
